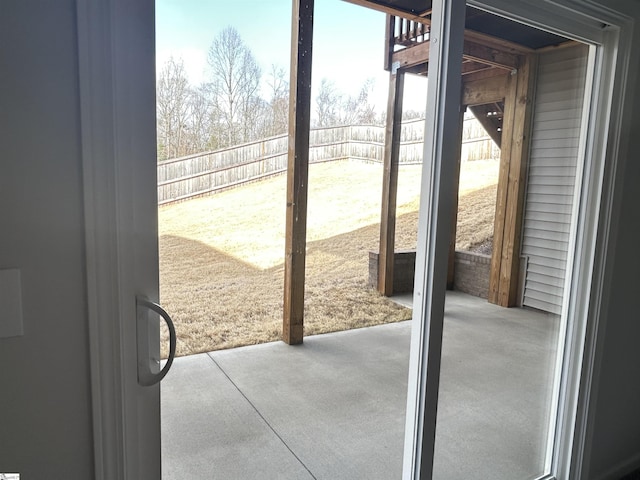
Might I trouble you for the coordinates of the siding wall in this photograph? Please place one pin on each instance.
(552, 175)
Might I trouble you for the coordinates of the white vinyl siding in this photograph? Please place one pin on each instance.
(551, 180)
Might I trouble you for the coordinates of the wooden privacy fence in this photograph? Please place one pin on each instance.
(204, 173)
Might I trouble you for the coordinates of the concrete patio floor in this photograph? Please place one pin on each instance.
(334, 407)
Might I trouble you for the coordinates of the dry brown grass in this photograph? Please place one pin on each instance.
(221, 256)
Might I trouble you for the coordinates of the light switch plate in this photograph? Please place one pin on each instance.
(10, 304)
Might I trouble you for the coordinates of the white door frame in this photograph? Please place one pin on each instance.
(117, 92)
(442, 124)
(116, 55)
(586, 297)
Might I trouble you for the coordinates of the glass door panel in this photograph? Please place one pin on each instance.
(505, 320)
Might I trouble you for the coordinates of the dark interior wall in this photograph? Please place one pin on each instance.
(45, 408)
(616, 410)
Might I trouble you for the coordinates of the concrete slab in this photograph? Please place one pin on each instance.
(495, 390)
(339, 399)
(404, 299)
(334, 407)
(210, 431)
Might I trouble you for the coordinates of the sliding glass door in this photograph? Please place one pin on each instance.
(495, 373)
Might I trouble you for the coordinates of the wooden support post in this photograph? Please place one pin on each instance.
(505, 261)
(389, 41)
(455, 192)
(297, 170)
(390, 183)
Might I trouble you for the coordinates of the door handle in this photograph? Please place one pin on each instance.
(148, 333)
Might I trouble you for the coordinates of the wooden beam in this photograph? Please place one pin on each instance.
(421, 69)
(480, 112)
(484, 74)
(497, 43)
(383, 7)
(469, 67)
(487, 90)
(390, 184)
(478, 52)
(473, 51)
(297, 170)
(503, 281)
(455, 191)
(412, 56)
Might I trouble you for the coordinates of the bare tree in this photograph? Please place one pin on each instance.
(200, 112)
(328, 104)
(235, 87)
(359, 109)
(278, 101)
(229, 109)
(172, 105)
(336, 108)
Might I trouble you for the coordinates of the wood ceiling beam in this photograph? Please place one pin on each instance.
(487, 90)
(421, 69)
(469, 67)
(473, 51)
(489, 55)
(412, 56)
(497, 43)
(418, 17)
(484, 74)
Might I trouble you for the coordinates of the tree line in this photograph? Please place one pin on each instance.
(232, 108)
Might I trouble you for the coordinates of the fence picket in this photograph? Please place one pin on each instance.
(204, 173)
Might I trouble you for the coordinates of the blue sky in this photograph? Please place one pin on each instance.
(348, 39)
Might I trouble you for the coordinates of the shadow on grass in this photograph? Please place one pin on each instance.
(218, 301)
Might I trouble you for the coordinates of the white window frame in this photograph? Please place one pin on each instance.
(609, 33)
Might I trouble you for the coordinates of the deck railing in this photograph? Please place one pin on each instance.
(408, 32)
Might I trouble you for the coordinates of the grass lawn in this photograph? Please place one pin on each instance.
(221, 256)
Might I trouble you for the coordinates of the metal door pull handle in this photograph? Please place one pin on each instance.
(146, 377)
